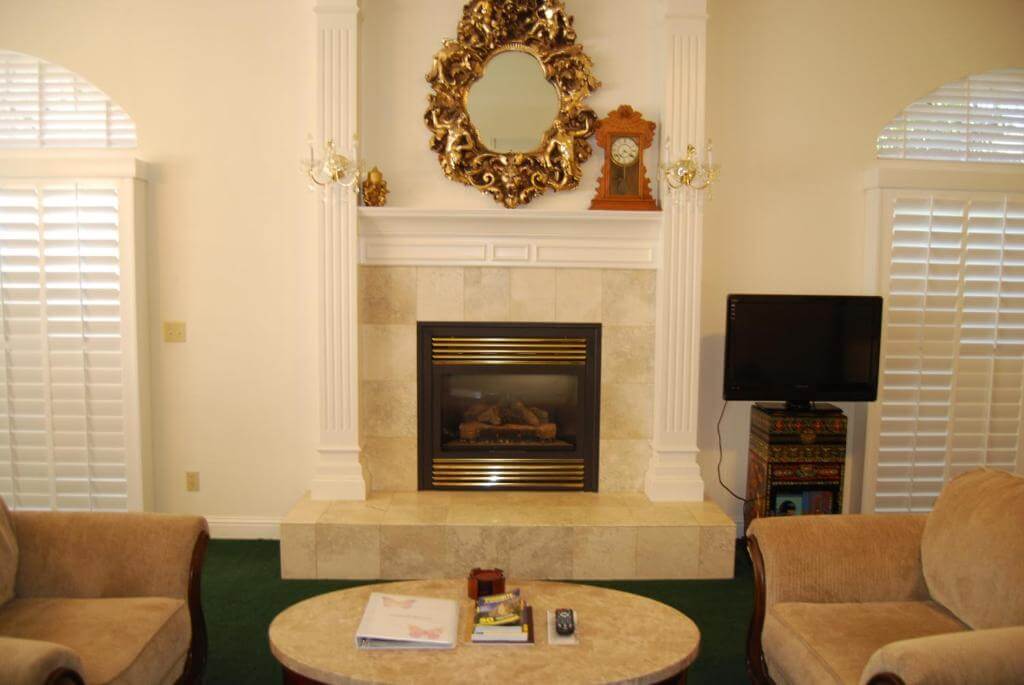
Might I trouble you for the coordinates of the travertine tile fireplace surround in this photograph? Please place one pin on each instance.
(393, 299)
(637, 274)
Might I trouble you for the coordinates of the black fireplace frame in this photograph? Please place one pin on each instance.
(430, 376)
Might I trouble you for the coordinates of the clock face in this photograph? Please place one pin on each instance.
(625, 151)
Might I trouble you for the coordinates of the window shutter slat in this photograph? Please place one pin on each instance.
(62, 431)
(953, 360)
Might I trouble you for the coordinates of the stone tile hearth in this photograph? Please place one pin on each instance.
(532, 535)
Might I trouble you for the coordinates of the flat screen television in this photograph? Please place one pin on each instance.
(802, 348)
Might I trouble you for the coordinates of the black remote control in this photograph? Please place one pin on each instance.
(565, 622)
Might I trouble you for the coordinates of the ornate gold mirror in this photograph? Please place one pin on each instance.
(506, 112)
(512, 105)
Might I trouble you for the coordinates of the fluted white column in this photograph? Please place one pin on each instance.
(673, 474)
(338, 473)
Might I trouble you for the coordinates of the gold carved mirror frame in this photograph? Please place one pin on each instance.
(489, 27)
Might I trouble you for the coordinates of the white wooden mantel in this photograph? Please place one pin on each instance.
(395, 236)
(668, 241)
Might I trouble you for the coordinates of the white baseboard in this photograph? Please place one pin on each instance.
(244, 527)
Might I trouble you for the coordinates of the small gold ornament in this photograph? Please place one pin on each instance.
(375, 189)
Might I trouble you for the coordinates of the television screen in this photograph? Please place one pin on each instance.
(802, 348)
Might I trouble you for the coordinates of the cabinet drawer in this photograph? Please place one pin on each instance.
(806, 472)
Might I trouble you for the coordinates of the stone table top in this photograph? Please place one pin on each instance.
(623, 638)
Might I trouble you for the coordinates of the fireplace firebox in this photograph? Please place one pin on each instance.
(508, 406)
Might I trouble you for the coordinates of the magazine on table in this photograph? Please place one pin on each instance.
(503, 619)
(404, 622)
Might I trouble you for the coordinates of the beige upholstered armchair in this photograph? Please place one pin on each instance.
(100, 598)
(886, 599)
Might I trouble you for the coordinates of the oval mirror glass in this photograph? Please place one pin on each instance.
(512, 104)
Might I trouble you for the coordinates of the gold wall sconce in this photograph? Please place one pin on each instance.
(333, 167)
(689, 173)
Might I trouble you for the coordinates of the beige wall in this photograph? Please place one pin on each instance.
(797, 92)
(222, 92)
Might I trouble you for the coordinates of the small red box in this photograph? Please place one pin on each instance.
(486, 581)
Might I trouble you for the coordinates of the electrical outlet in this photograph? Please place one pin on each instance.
(192, 481)
(174, 331)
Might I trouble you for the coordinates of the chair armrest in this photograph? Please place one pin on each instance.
(845, 558)
(835, 558)
(35, 662)
(994, 656)
(91, 554)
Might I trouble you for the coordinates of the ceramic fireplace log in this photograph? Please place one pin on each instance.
(500, 414)
(477, 430)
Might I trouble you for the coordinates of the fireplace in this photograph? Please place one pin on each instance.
(508, 406)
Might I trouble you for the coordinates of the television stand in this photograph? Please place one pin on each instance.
(797, 459)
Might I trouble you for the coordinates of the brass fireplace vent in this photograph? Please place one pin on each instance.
(558, 351)
(508, 472)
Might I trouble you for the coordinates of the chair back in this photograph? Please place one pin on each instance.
(972, 550)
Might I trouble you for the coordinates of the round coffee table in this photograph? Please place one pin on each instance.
(623, 638)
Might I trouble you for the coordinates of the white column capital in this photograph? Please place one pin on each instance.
(326, 7)
(686, 10)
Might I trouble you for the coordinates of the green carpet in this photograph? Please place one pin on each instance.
(243, 591)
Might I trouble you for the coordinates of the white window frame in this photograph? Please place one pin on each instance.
(883, 184)
(129, 176)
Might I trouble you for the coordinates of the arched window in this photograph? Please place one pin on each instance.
(44, 105)
(978, 119)
(71, 228)
(950, 243)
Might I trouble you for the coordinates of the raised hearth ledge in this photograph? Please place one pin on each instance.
(395, 236)
(531, 535)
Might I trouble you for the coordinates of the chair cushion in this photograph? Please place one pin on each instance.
(831, 643)
(972, 550)
(120, 640)
(8, 554)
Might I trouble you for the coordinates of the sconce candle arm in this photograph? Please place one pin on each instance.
(333, 167)
(689, 172)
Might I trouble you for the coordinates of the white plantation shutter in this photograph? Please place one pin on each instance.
(44, 105)
(952, 371)
(62, 407)
(979, 119)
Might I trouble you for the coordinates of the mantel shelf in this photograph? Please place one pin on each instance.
(514, 215)
(509, 237)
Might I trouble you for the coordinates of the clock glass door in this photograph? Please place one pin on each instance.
(625, 180)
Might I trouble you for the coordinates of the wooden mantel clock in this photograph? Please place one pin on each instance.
(624, 135)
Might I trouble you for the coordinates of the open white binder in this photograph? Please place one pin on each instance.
(405, 622)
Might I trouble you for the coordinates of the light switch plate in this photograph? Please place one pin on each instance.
(174, 331)
(192, 481)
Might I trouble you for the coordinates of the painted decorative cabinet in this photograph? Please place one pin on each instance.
(796, 461)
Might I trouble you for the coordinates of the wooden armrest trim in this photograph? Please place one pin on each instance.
(64, 676)
(757, 669)
(195, 662)
(886, 679)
